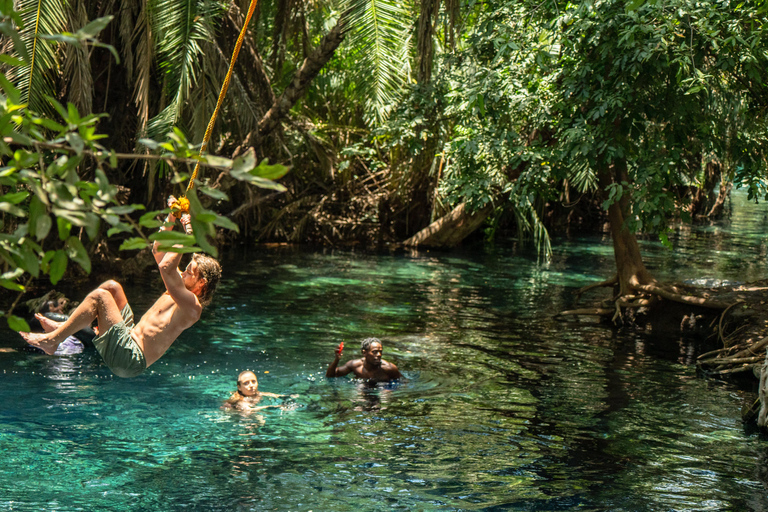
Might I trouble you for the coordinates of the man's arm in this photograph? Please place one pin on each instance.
(335, 371)
(169, 271)
(170, 220)
(393, 372)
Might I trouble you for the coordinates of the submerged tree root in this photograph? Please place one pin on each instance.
(643, 296)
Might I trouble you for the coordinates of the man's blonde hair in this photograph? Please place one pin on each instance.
(209, 269)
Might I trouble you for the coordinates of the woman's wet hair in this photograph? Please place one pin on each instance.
(237, 396)
(209, 269)
(243, 373)
(367, 342)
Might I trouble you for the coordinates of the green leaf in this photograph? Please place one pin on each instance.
(151, 144)
(213, 193)
(269, 172)
(109, 47)
(201, 230)
(64, 227)
(12, 92)
(93, 28)
(43, 226)
(58, 266)
(78, 253)
(18, 324)
(217, 161)
(226, 223)
(133, 244)
(178, 249)
(149, 219)
(65, 37)
(172, 237)
(11, 285)
(14, 197)
(11, 61)
(123, 210)
(76, 142)
(29, 257)
(13, 210)
(244, 163)
(206, 217)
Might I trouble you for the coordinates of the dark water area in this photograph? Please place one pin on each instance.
(502, 407)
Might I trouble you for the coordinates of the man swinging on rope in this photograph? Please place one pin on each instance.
(130, 349)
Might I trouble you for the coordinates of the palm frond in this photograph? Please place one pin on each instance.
(142, 34)
(180, 27)
(529, 224)
(582, 176)
(379, 37)
(77, 64)
(43, 76)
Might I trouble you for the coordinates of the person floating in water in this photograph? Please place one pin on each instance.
(248, 396)
(370, 367)
(128, 349)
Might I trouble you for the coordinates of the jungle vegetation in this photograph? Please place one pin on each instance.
(400, 123)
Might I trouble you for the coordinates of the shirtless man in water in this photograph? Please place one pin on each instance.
(370, 367)
(130, 349)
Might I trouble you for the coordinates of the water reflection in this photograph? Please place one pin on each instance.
(502, 408)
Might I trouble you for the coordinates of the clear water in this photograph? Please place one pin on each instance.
(503, 408)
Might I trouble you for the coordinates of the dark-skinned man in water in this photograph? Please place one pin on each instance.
(127, 348)
(370, 367)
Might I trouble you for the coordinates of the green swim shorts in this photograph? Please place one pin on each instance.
(119, 350)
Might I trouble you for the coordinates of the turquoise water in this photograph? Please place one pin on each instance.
(503, 408)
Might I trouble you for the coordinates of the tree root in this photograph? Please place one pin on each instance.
(585, 312)
(604, 284)
(731, 371)
(684, 299)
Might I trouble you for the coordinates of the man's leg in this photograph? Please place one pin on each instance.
(117, 292)
(100, 304)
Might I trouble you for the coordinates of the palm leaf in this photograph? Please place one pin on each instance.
(529, 224)
(77, 64)
(379, 38)
(180, 27)
(43, 76)
(143, 63)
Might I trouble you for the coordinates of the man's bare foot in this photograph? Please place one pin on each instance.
(48, 324)
(41, 341)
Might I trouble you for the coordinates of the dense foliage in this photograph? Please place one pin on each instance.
(425, 106)
(56, 200)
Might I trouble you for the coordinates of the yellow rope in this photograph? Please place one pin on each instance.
(34, 47)
(183, 203)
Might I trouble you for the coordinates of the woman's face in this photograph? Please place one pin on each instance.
(248, 385)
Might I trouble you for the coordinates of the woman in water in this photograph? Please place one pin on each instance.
(248, 396)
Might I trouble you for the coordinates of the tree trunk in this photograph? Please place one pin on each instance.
(408, 209)
(630, 269)
(425, 50)
(309, 69)
(449, 230)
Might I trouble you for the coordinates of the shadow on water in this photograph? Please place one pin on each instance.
(501, 408)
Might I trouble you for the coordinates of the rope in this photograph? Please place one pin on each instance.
(183, 203)
(34, 47)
